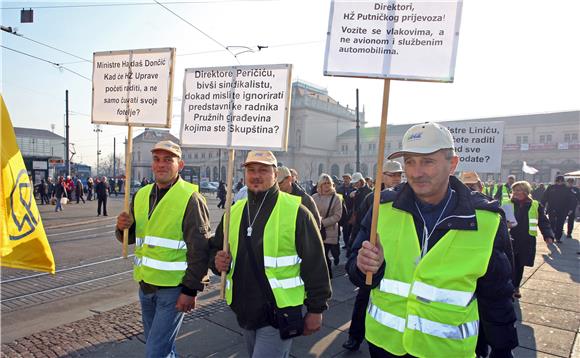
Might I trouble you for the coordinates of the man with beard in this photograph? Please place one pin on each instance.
(275, 263)
(169, 223)
(440, 254)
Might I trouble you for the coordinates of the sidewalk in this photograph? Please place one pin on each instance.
(548, 321)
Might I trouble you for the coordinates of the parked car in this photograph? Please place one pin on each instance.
(207, 187)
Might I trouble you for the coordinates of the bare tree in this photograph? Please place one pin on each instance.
(106, 165)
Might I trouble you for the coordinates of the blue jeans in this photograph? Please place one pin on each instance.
(265, 342)
(161, 321)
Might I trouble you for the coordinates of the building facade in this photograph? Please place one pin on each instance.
(42, 151)
(322, 139)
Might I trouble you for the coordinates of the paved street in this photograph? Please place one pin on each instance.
(94, 325)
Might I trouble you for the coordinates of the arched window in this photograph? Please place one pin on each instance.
(215, 174)
(335, 170)
(364, 169)
(298, 139)
(223, 173)
(320, 169)
(347, 169)
(208, 173)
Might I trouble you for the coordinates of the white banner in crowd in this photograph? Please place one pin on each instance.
(237, 107)
(133, 87)
(478, 145)
(411, 40)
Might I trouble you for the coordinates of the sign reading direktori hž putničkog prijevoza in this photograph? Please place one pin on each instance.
(133, 87)
(237, 107)
(409, 40)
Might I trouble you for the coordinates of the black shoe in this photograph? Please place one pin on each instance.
(559, 241)
(352, 344)
(569, 236)
(336, 262)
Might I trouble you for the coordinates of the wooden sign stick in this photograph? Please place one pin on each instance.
(128, 163)
(379, 175)
(226, 224)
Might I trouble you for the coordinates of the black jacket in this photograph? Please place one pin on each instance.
(494, 290)
(558, 199)
(523, 243)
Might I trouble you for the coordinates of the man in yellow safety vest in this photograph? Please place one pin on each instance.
(441, 253)
(169, 223)
(275, 264)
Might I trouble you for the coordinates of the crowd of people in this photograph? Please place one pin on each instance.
(445, 269)
(64, 190)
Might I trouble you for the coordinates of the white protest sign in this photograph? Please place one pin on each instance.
(237, 107)
(133, 87)
(411, 40)
(478, 145)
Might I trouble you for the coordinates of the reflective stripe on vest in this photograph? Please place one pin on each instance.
(281, 261)
(160, 251)
(436, 294)
(463, 331)
(159, 241)
(533, 218)
(427, 308)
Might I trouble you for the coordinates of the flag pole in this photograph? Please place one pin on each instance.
(379, 175)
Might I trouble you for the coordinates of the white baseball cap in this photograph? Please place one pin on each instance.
(425, 138)
(392, 166)
(356, 177)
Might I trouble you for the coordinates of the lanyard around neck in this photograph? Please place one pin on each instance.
(426, 234)
(251, 223)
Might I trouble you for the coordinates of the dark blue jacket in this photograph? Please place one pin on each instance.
(494, 290)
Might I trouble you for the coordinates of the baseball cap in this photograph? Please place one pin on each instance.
(469, 178)
(262, 157)
(392, 166)
(356, 177)
(283, 173)
(168, 146)
(347, 175)
(559, 178)
(425, 138)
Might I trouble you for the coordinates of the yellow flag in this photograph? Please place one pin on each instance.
(24, 242)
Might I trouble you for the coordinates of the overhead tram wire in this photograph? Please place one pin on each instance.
(134, 4)
(198, 29)
(47, 61)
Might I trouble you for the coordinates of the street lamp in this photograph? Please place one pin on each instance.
(98, 130)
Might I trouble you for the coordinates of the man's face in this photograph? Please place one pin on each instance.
(511, 180)
(475, 186)
(570, 183)
(428, 175)
(165, 167)
(286, 184)
(259, 177)
(346, 180)
(392, 179)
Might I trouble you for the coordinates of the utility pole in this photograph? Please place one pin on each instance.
(220, 164)
(98, 130)
(357, 136)
(66, 139)
(114, 158)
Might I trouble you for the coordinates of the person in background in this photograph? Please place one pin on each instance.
(358, 197)
(102, 191)
(113, 187)
(43, 192)
(239, 185)
(344, 190)
(370, 182)
(169, 225)
(538, 193)
(50, 188)
(558, 199)
(472, 181)
(288, 185)
(530, 216)
(504, 191)
(69, 186)
(573, 205)
(79, 191)
(59, 193)
(90, 189)
(221, 195)
(330, 207)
